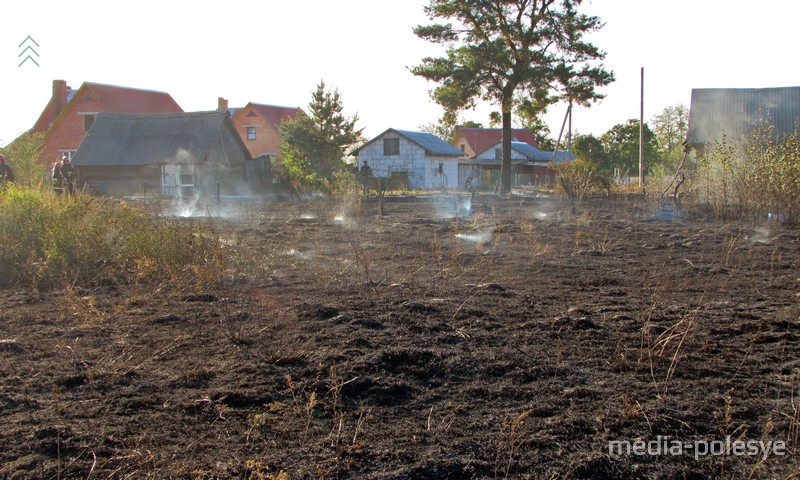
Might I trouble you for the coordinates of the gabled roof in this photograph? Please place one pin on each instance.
(117, 139)
(273, 114)
(429, 142)
(115, 99)
(480, 139)
(733, 112)
(531, 154)
(432, 144)
(46, 118)
(125, 99)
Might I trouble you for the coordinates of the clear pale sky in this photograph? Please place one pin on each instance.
(275, 52)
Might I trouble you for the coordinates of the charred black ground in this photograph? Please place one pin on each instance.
(513, 344)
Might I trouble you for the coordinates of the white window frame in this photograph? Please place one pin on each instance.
(70, 154)
(178, 181)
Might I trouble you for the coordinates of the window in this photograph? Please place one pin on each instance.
(88, 120)
(177, 180)
(463, 147)
(391, 146)
(70, 154)
(251, 133)
(498, 153)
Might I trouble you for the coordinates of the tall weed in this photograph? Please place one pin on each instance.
(47, 240)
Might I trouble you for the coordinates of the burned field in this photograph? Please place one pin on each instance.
(516, 343)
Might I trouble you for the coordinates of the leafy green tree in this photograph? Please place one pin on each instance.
(505, 51)
(590, 149)
(23, 156)
(531, 119)
(621, 144)
(671, 127)
(314, 146)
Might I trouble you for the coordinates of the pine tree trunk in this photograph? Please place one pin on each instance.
(505, 166)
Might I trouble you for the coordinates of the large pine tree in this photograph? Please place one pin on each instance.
(510, 51)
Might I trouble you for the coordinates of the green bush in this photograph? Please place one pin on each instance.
(761, 176)
(83, 240)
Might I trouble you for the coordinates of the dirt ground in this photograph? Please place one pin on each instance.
(515, 343)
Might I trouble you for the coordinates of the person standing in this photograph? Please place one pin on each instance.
(6, 173)
(58, 179)
(365, 176)
(69, 176)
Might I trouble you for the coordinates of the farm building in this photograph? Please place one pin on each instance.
(422, 159)
(70, 113)
(733, 113)
(173, 154)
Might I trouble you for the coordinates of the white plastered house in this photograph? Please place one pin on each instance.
(428, 161)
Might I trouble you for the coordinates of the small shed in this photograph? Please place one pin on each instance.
(181, 155)
(425, 159)
(733, 113)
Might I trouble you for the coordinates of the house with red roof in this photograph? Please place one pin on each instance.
(474, 141)
(529, 164)
(259, 125)
(70, 113)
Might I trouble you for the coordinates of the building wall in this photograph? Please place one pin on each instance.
(268, 138)
(68, 130)
(461, 143)
(423, 170)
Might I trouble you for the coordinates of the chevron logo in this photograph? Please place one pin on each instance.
(28, 43)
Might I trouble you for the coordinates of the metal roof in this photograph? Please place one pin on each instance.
(432, 144)
(117, 139)
(733, 113)
(532, 153)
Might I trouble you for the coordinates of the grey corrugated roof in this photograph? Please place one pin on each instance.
(431, 143)
(529, 151)
(150, 138)
(733, 112)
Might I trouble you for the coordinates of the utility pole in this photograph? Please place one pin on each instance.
(641, 135)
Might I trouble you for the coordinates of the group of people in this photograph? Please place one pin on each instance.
(64, 177)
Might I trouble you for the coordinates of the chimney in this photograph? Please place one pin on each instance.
(222, 104)
(60, 92)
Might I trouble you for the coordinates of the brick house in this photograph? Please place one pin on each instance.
(70, 113)
(258, 125)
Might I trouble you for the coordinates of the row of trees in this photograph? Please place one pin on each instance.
(617, 150)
